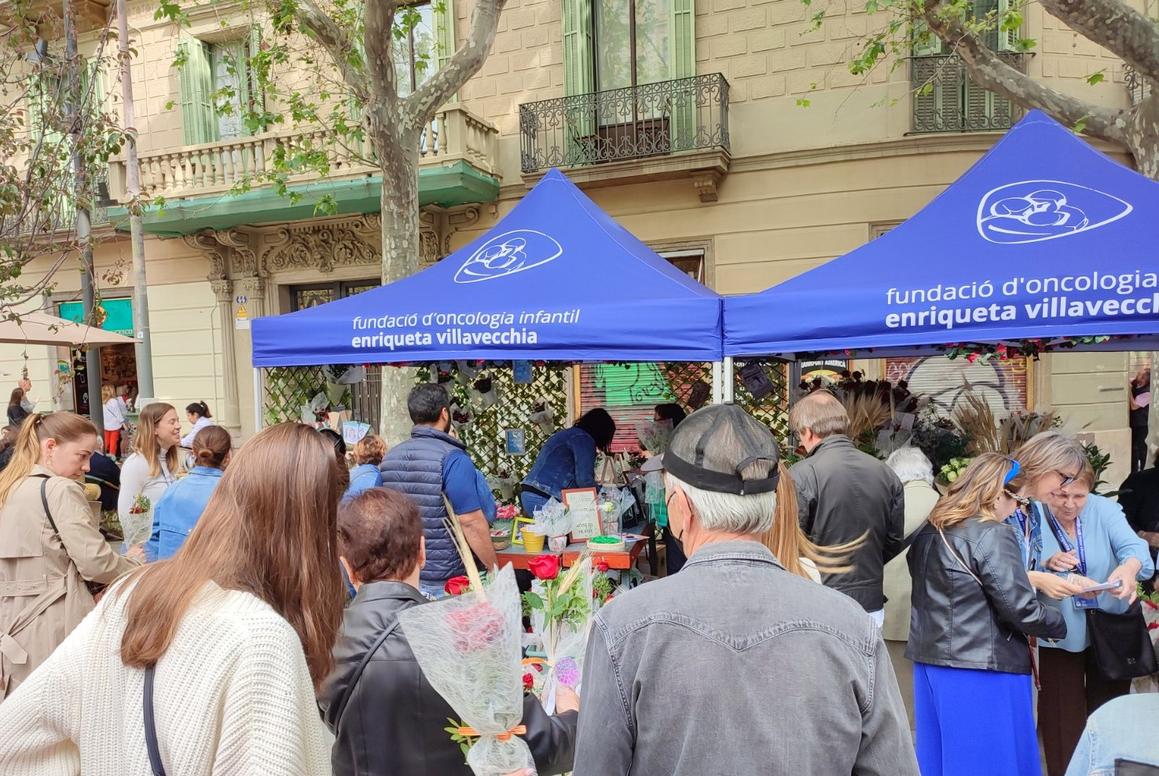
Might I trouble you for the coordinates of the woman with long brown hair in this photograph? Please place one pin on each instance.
(229, 640)
(973, 609)
(149, 471)
(793, 548)
(49, 543)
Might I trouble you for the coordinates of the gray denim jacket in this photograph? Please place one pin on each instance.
(736, 667)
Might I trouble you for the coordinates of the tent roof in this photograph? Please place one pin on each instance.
(44, 329)
(555, 279)
(1044, 237)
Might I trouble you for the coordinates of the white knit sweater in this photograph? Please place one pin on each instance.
(233, 697)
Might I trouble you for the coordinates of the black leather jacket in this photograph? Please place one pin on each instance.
(394, 720)
(956, 621)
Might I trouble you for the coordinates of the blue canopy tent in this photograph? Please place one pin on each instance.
(1043, 238)
(556, 280)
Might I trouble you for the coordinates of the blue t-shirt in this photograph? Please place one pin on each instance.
(466, 488)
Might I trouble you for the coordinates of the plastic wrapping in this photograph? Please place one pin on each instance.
(654, 435)
(468, 648)
(552, 518)
(564, 643)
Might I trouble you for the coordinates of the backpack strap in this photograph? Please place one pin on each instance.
(345, 699)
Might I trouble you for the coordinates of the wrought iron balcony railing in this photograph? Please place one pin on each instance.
(946, 100)
(1137, 87)
(687, 114)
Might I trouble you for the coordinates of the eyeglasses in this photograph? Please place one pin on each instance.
(1067, 479)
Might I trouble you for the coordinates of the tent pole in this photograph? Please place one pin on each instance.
(257, 399)
(717, 383)
(729, 380)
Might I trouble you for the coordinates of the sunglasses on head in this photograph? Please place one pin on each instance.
(1067, 479)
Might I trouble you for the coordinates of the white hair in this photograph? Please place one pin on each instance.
(909, 464)
(728, 512)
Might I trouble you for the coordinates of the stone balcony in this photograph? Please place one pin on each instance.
(228, 183)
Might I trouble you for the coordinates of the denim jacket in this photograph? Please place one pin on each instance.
(1121, 729)
(362, 478)
(177, 512)
(567, 460)
(735, 666)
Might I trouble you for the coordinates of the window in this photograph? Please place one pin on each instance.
(314, 294)
(217, 87)
(416, 53)
(613, 44)
(945, 99)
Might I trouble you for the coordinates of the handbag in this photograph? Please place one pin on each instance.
(1121, 644)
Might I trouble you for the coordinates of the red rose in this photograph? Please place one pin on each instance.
(528, 682)
(972, 357)
(602, 566)
(457, 586)
(544, 567)
(478, 628)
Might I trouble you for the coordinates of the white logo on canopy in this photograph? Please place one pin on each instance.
(1035, 211)
(508, 253)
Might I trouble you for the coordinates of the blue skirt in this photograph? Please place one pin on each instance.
(974, 723)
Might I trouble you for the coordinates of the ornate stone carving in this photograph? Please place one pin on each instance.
(245, 260)
(322, 246)
(705, 184)
(205, 243)
(222, 289)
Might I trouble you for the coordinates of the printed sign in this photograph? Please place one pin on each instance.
(583, 505)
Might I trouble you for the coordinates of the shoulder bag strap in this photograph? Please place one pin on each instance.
(44, 501)
(958, 558)
(155, 763)
(345, 699)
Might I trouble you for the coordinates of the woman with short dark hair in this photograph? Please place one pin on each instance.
(385, 715)
(567, 460)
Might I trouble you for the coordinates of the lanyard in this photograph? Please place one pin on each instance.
(1024, 537)
(1065, 544)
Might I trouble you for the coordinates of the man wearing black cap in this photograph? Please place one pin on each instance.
(735, 666)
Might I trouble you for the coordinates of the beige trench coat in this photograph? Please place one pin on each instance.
(42, 574)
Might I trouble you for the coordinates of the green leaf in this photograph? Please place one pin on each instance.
(803, 102)
(1096, 78)
(533, 600)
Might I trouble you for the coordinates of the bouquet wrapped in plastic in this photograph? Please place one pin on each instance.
(561, 606)
(552, 519)
(654, 435)
(468, 648)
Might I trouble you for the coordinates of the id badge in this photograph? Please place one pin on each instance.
(1086, 603)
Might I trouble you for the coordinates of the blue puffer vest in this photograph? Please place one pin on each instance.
(415, 468)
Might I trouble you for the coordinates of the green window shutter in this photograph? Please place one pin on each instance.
(682, 59)
(444, 23)
(1007, 39)
(196, 83)
(578, 49)
(925, 42)
(578, 83)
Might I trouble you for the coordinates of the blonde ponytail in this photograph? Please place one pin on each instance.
(37, 427)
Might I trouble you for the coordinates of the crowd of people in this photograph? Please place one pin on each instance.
(829, 613)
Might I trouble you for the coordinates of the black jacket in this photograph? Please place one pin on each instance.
(959, 623)
(394, 721)
(842, 494)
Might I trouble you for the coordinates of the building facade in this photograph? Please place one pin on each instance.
(727, 134)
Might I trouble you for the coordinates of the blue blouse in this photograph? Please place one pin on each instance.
(1109, 542)
(177, 512)
(362, 478)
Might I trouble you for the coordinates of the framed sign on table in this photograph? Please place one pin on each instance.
(583, 505)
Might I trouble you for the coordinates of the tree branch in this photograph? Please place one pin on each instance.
(1115, 26)
(336, 42)
(378, 34)
(422, 105)
(989, 71)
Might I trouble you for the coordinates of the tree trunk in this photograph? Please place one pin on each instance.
(398, 158)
